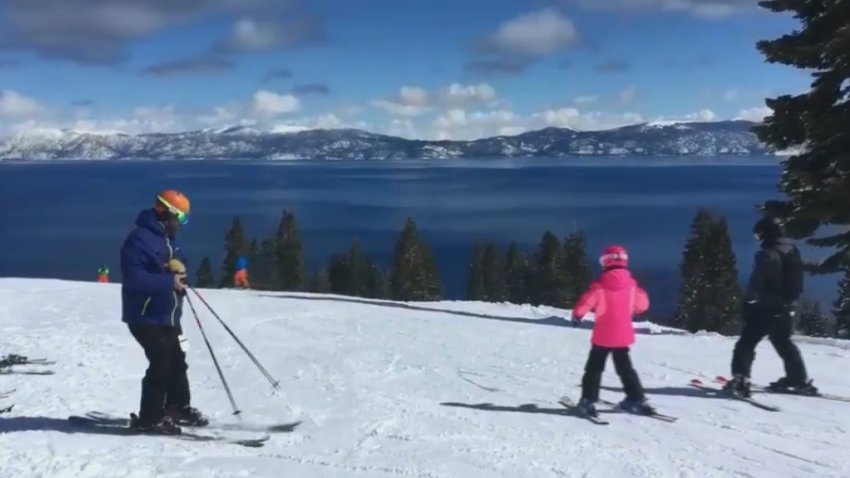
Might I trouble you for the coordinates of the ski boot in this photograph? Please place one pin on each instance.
(636, 406)
(786, 385)
(587, 407)
(165, 426)
(187, 416)
(738, 386)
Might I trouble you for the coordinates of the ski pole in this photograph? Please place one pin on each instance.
(275, 383)
(236, 410)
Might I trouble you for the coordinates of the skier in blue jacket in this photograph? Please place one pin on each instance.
(153, 286)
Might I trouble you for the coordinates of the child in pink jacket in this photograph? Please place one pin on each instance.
(614, 298)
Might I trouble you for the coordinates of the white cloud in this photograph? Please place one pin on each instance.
(586, 99)
(703, 115)
(220, 115)
(14, 105)
(459, 94)
(269, 103)
(260, 34)
(457, 123)
(627, 95)
(412, 101)
(325, 121)
(705, 9)
(402, 127)
(413, 96)
(757, 113)
(573, 118)
(534, 34)
(398, 109)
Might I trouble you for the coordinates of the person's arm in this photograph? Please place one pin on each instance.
(641, 302)
(135, 263)
(758, 276)
(586, 302)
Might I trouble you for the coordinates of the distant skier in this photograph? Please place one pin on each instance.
(614, 297)
(240, 278)
(769, 306)
(154, 283)
(103, 274)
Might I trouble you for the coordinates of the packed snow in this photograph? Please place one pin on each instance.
(386, 389)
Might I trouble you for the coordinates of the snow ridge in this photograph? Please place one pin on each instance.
(733, 138)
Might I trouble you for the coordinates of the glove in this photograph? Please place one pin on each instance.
(177, 267)
(575, 321)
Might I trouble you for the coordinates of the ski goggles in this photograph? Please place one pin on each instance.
(182, 217)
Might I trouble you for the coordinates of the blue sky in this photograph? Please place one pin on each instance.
(418, 68)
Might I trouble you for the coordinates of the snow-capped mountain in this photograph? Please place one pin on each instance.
(646, 139)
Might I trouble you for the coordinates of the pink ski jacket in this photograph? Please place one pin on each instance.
(615, 297)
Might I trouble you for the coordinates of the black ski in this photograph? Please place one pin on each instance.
(9, 371)
(15, 359)
(697, 383)
(123, 428)
(654, 414)
(766, 389)
(245, 427)
(571, 406)
(7, 409)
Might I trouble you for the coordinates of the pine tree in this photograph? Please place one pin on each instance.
(368, 278)
(710, 295)
(725, 295)
(841, 309)
(815, 122)
(319, 283)
(236, 244)
(812, 321)
(353, 273)
(577, 268)
(475, 274)
(518, 275)
(263, 266)
(413, 275)
(550, 282)
(289, 255)
(493, 268)
(205, 278)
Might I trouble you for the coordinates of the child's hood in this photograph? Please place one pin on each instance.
(616, 279)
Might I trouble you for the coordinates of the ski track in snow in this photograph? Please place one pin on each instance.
(425, 390)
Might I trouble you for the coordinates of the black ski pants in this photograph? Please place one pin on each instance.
(165, 383)
(622, 364)
(777, 323)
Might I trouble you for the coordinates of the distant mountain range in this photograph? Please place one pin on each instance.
(717, 138)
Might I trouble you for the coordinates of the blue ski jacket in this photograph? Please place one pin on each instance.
(147, 288)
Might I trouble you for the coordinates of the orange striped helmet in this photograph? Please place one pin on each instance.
(173, 202)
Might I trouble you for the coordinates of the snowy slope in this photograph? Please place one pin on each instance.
(394, 390)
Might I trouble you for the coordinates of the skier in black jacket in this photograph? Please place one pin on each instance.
(769, 306)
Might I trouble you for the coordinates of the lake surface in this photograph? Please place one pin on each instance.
(65, 219)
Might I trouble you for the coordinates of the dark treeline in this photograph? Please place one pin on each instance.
(555, 273)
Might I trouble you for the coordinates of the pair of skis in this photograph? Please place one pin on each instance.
(12, 360)
(721, 380)
(121, 426)
(568, 403)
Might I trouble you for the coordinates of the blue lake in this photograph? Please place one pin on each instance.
(65, 219)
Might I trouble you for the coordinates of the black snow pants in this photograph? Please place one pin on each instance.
(165, 383)
(777, 323)
(592, 379)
